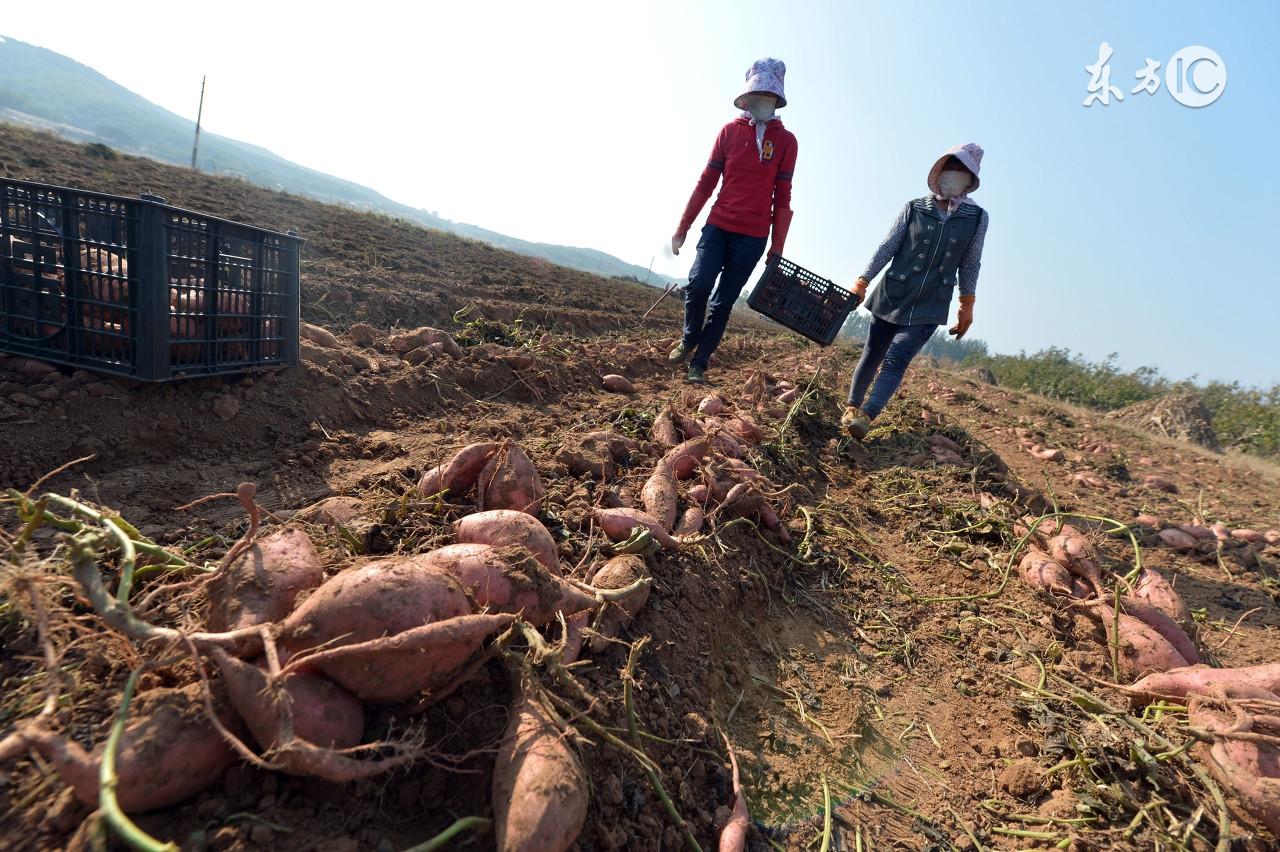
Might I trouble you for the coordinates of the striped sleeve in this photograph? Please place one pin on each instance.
(972, 260)
(890, 245)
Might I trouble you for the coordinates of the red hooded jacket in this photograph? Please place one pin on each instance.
(757, 185)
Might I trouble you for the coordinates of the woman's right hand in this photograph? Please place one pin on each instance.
(677, 240)
(860, 288)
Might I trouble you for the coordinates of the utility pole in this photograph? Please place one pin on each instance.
(195, 146)
(650, 271)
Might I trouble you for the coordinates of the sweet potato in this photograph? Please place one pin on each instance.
(509, 579)
(618, 524)
(510, 481)
(744, 429)
(699, 493)
(317, 335)
(168, 753)
(769, 520)
(1198, 532)
(1142, 650)
(504, 527)
(398, 667)
(1221, 532)
(262, 585)
(1072, 551)
(424, 336)
(384, 597)
(333, 511)
(743, 472)
(617, 384)
(1272, 537)
(711, 405)
(539, 785)
(727, 445)
(1251, 770)
(1041, 572)
(317, 710)
(1181, 682)
(733, 837)
(690, 523)
(1152, 587)
(684, 458)
(1177, 539)
(459, 474)
(945, 443)
(619, 573)
(659, 495)
(1251, 536)
(789, 396)
(689, 428)
(743, 499)
(1159, 621)
(664, 429)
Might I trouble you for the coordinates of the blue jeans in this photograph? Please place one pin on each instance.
(890, 348)
(726, 255)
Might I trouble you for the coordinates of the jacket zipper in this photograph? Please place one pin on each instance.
(911, 314)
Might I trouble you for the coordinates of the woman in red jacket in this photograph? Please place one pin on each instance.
(756, 156)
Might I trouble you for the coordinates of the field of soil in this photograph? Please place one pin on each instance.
(883, 674)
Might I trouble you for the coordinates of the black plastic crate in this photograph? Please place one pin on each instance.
(806, 303)
(138, 288)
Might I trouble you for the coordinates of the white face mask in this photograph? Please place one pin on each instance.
(761, 109)
(952, 183)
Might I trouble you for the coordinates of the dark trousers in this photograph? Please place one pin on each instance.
(730, 257)
(889, 349)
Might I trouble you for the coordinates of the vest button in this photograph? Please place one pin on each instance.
(931, 228)
(916, 268)
(948, 254)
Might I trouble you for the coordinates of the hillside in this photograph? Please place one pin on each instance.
(885, 676)
(41, 89)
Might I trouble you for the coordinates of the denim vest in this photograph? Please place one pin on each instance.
(916, 288)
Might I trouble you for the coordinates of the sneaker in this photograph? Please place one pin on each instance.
(675, 356)
(855, 423)
(695, 376)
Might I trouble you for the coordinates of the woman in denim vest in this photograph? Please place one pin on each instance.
(935, 243)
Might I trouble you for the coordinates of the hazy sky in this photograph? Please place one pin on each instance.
(1122, 228)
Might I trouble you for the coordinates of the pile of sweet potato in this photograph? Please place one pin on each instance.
(1148, 630)
(293, 648)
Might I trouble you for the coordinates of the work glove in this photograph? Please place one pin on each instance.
(677, 240)
(965, 319)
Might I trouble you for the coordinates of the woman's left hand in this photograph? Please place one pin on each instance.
(965, 318)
